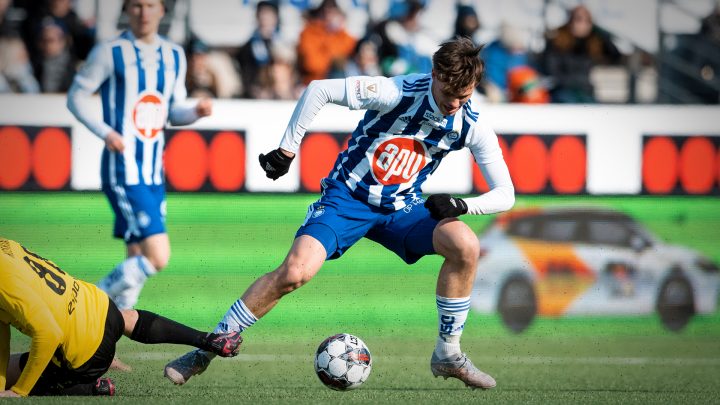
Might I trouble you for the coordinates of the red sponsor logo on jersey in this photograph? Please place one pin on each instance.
(398, 160)
(149, 115)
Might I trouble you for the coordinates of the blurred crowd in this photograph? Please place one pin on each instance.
(41, 51)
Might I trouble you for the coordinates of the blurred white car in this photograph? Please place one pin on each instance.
(587, 261)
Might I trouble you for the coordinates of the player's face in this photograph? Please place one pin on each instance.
(448, 100)
(145, 16)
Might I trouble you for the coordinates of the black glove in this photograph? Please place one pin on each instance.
(275, 164)
(443, 206)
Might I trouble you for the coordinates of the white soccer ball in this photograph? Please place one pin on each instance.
(343, 362)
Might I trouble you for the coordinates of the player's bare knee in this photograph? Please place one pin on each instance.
(457, 242)
(159, 260)
(291, 277)
(467, 252)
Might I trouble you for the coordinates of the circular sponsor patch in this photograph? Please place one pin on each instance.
(143, 219)
(398, 160)
(149, 114)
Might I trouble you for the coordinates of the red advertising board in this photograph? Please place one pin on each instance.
(35, 158)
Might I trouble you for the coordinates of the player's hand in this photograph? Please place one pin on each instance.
(443, 206)
(114, 142)
(276, 163)
(204, 107)
(8, 394)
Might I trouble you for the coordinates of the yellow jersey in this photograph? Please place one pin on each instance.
(64, 316)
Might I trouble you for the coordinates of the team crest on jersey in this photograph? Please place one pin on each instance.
(398, 160)
(149, 114)
(319, 210)
(143, 219)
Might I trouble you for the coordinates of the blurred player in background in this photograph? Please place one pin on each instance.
(141, 78)
(374, 191)
(74, 329)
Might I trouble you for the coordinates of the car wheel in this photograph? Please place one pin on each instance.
(676, 304)
(517, 304)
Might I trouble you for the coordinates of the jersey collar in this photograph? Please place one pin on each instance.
(131, 37)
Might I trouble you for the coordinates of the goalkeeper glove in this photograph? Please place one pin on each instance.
(443, 206)
(275, 164)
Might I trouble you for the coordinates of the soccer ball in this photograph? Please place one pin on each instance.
(343, 362)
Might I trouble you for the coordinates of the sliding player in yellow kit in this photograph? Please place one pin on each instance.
(74, 328)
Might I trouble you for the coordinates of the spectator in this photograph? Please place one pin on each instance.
(16, 75)
(324, 42)
(6, 26)
(82, 36)
(466, 22)
(256, 54)
(571, 51)
(55, 66)
(200, 81)
(210, 73)
(706, 58)
(283, 83)
(710, 25)
(365, 60)
(525, 86)
(405, 47)
(501, 56)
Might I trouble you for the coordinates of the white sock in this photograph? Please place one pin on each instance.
(132, 272)
(448, 347)
(452, 313)
(237, 318)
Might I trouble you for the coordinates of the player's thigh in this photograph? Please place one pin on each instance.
(453, 238)
(337, 220)
(305, 258)
(157, 249)
(407, 232)
(138, 211)
(100, 361)
(121, 209)
(13, 369)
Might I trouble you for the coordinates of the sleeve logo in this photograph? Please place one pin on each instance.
(366, 89)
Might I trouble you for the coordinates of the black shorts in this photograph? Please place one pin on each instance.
(55, 379)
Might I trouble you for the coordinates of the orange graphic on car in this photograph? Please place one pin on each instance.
(562, 276)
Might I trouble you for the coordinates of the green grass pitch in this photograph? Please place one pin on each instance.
(221, 243)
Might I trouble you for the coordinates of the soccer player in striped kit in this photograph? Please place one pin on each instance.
(141, 78)
(374, 191)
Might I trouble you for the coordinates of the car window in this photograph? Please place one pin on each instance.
(524, 228)
(559, 230)
(608, 233)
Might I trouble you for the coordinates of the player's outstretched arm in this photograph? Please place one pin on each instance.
(150, 328)
(277, 162)
(316, 95)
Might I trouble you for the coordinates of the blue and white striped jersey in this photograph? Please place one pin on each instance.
(140, 85)
(403, 137)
